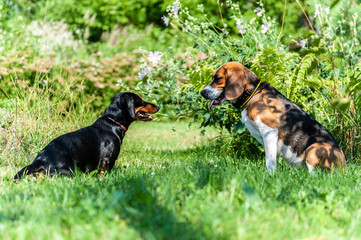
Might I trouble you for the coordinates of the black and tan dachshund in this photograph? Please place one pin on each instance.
(96, 146)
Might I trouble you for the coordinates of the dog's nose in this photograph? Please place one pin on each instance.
(204, 93)
(157, 108)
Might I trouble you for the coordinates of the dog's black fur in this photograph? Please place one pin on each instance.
(91, 147)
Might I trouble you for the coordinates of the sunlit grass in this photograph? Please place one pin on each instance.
(172, 183)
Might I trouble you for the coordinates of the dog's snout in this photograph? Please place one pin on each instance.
(204, 93)
(157, 108)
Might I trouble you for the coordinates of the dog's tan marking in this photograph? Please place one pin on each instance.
(324, 155)
(147, 109)
(268, 109)
(219, 79)
(39, 175)
(102, 170)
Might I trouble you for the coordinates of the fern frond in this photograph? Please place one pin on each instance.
(305, 67)
(200, 77)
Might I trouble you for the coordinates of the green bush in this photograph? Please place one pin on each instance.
(90, 19)
(327, 60)
(318, 67)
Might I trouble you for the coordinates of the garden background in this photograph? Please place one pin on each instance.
(191, 173)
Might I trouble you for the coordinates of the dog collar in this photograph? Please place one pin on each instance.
(245, 97)
(122, 126)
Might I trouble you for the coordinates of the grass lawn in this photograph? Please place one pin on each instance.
(171, 183)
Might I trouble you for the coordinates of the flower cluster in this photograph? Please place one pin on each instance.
(318, 9)
(240, 27)
(175, 9)
(264, 28)
(153, 58)
(165, 20)
(258, 11)
(145, 71)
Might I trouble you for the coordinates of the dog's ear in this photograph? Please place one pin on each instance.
(130, 107)
(235, 83)
(113, 109)
(251, 77)
(121, 102)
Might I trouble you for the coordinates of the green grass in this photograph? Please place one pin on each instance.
(171, 183)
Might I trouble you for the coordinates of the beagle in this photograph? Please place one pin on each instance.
(276, 122)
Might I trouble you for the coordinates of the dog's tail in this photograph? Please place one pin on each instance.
(36, 166)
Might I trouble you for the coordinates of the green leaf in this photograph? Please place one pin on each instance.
(238, 128)
(251, 196)
(206, 117)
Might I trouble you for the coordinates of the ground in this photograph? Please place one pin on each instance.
(172, 182)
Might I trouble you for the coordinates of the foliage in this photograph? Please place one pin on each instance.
(89, 20)
(310, 67)
(95, 80)
(324, 62)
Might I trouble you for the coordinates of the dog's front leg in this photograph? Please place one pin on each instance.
(270, 139)
(104, 164)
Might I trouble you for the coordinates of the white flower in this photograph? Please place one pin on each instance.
(148, 86)
(327, 10)
(258, 11)
(175, 9)
(142, 74)
(264, 28)
(146, 71)
(302, 43)
(166, 20)
(154, 57)
(316, 11)
(241, 29)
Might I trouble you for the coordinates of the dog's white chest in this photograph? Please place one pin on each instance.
(268, 137)
(254, 127)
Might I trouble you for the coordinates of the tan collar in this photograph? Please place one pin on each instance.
(245, 97)
(122, 126)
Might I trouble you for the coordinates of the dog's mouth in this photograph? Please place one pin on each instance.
(219, 100)
(142, 116)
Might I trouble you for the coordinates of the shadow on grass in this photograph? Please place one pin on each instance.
(136, 203)
(132, 196)
(155, 216)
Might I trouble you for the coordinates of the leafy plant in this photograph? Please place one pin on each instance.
(309, 76)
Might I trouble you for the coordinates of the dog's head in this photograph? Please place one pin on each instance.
(131, 106)
(228, 83)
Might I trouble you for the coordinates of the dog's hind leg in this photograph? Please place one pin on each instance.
(35, 167)
(326, 156)
(103, 167)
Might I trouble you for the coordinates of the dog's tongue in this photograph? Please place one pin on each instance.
(210, 104)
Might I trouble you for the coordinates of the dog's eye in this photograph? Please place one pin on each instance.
(216, 79)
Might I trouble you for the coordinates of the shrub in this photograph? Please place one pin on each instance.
(90, 19)
(326, 61)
